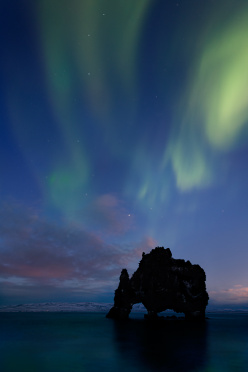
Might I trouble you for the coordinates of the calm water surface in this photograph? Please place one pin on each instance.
(67, 342)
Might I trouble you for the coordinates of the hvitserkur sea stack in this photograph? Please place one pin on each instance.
(160, 283)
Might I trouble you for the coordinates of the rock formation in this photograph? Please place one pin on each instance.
(160, 283)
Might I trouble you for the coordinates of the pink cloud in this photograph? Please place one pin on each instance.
(107, 214)
(145, 246)
(237, 294)
(107, 200)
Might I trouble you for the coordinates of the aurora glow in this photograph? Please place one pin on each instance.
(124, 126)
(216, 112)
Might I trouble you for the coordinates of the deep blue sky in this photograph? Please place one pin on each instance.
(123, 127)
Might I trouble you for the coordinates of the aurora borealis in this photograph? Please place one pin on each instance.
(124, 125)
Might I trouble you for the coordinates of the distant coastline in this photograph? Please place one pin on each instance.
(94, 307)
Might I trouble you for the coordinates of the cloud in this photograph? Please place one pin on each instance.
(107, 214)
(40, 255)
(32, 247)
(238, 294)
(145, 246)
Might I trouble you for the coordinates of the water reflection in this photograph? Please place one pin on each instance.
(165, 345)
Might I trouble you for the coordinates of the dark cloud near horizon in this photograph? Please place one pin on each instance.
(37, 253)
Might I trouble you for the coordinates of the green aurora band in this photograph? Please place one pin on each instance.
(84, 56)
(217, 106)
(213, 114)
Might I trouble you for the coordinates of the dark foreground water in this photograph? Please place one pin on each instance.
(49, 342)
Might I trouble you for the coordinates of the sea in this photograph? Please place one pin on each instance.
(89, 342)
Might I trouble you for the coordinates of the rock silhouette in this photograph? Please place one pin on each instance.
(160, 283)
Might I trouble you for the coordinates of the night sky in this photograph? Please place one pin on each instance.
(124, 126)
